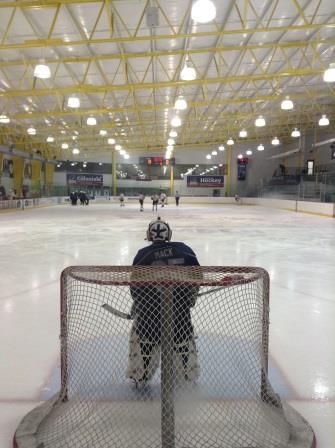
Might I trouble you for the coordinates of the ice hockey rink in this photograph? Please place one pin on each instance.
(298, 251)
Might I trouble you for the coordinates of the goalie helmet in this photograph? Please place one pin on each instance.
(159, 231)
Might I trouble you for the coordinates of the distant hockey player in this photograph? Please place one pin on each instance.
(141, 201)
(145, 336)
(237, 199)
(121, 199)
(162, 198)
(73, 198)
(177, 197)
(155, 200)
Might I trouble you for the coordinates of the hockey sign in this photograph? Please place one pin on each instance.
(205, 181)
(85, 180)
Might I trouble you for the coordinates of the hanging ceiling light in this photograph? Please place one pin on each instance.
(243, 133)
(171, 141)
(324, 121)
(84, 165)
(75, 151)
(188, 72)
(329, 74)
(249, 152)
(126, 156)
(118, 147)
(31, 131)
(275, 141)
(111, 141)
(240, 156)
(169, 147)
(221, 148)
(203, 11)
(176, 122)
(295, 133)
(4, 119)
(181, 103)
(91, 121)
(73, 102)
(65, 146)
(208, 156)
(214, 153)
(287, 104)
(50, 139)
(230, 141)
(42, 70)
(260, 121)
(102, 132)
(260, 147)
(122, 152)
(173, 134)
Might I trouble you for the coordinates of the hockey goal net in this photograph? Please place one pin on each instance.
(194, 373)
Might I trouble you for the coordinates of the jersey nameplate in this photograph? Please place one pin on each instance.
(163, 253)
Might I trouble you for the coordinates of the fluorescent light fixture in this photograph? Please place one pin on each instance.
(287, 104)
(208, 156)
(230, 141)
(118, 147)
(73, 102)
(243, 133)
(275, 141)
(50, 139)
(295, 133)
(42, 71)
(329, 74)
(181, 103)
(324, 121)
(171, 141)
(91, 121)
(260, 147)
(203, 11)
(221, 148)
(31, 131)
(173, 134)
(102, 132)
(176, 122)
(65, 146)
(240, 156)
(4, 119)
(248, 152)
(75, 151)
(260, 121)
(122, 152)
(126, 156)
(214, 153)
(111, 141)
(188, 73)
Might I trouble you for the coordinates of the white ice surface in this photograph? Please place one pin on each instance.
(297, 250)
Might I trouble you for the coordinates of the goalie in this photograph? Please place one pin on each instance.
(145, 336)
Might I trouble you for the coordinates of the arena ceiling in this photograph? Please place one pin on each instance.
(126, 72)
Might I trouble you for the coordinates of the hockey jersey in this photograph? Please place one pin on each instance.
(147, 300)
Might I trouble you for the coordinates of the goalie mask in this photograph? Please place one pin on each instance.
(159, 231)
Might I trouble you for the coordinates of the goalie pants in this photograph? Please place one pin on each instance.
(144, 357)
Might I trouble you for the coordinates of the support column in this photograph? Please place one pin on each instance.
(229, 156)
(171, 180)
(114, 180)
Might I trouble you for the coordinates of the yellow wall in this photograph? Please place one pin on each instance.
(1, 160)
(35, 178)
(49, 176)
(18, 163)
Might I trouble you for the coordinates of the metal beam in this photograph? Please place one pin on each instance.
(89, 88)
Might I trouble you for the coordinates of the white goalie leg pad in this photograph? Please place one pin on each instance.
(141, 366)
(187, 366)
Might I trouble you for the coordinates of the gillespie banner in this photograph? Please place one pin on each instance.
(85, 180)
(205, 181)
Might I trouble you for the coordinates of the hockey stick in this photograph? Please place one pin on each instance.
(122, 315)
(116, 312)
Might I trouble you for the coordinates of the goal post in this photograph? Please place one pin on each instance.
(164, 356)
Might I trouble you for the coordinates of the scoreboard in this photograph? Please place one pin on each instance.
(157, 161)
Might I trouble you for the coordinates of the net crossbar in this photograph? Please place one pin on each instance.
(164, 356)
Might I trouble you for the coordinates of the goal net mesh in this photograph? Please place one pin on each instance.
(164, 357)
